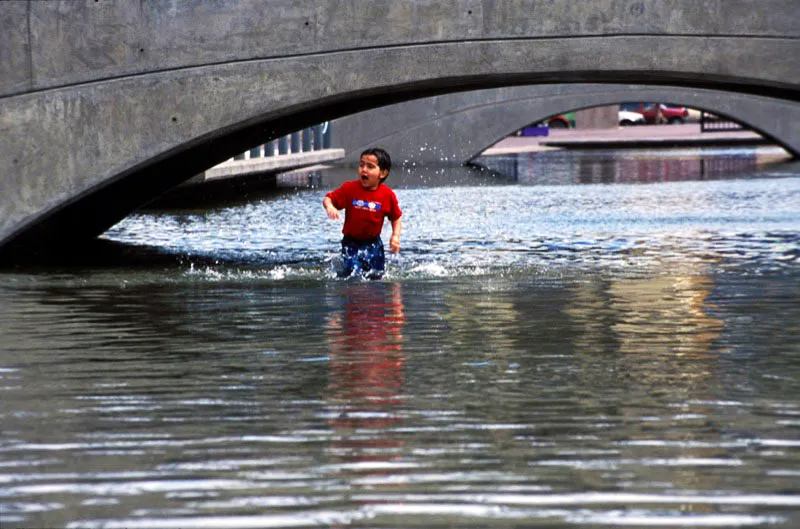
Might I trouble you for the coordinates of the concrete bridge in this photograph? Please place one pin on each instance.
(456, 128)
(106, 104)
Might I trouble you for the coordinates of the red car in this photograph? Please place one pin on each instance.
(562, 121)
(674, 114)
(656, 113)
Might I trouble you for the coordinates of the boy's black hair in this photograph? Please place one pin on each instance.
(384, 160)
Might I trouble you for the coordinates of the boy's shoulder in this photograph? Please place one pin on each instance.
(352, 184)
(348, 185)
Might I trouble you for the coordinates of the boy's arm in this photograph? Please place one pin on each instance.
(330, 209)
(397, 227)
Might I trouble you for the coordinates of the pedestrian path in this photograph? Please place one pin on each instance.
(234, 179)
(271, 165)
(664, 136)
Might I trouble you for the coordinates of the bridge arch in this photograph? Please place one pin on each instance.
(456, 128)
(95, 127)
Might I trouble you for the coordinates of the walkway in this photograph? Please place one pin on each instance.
(269, 165)
(235, 179)
(629, 137)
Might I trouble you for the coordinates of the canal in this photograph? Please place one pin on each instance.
(567, 339)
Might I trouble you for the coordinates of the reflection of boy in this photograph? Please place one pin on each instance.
(366, 202)
(365, 394)
(366, 353)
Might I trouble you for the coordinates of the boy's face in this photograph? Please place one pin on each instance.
(369, 173)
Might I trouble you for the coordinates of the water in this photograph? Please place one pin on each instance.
(595, 339)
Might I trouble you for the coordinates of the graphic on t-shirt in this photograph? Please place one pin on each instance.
(363, 204)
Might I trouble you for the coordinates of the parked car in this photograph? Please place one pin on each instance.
(657, 113)
(561, 121)
(675, 114)
(692, 115)
(628, 118)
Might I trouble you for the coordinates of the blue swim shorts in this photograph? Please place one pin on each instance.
(364, 258)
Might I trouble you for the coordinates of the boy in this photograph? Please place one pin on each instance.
(366, 202)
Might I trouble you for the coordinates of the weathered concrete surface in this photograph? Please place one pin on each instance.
(454, 128)
(15, 53)
(77, 41)
(107, 104)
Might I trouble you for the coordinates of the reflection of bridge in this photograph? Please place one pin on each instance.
(105, 106)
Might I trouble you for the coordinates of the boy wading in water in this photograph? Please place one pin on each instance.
(366, 202)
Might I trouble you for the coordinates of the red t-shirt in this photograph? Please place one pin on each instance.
(364, 210)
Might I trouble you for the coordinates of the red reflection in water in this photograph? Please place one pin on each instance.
(365, 341)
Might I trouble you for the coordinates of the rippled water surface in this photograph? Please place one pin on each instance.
(572, 339)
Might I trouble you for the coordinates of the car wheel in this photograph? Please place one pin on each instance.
(558, 124)
(625, 123)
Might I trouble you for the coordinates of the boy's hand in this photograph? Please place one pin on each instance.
(332, 212)
(394, 243)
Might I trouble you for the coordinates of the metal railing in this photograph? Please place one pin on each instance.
(311, 139)
(713, 123)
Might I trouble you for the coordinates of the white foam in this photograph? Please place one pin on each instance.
(430, 270)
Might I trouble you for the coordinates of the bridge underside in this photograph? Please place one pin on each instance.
(85, 142)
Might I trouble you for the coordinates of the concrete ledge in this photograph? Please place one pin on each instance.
(651, 136)
(642, 136)
(240, 180)
(271, 164)
(656, 143)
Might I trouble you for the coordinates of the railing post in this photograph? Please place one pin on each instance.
(317, 137)
(327, 137)
(283, 145)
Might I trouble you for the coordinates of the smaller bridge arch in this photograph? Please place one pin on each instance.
(455, 128)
